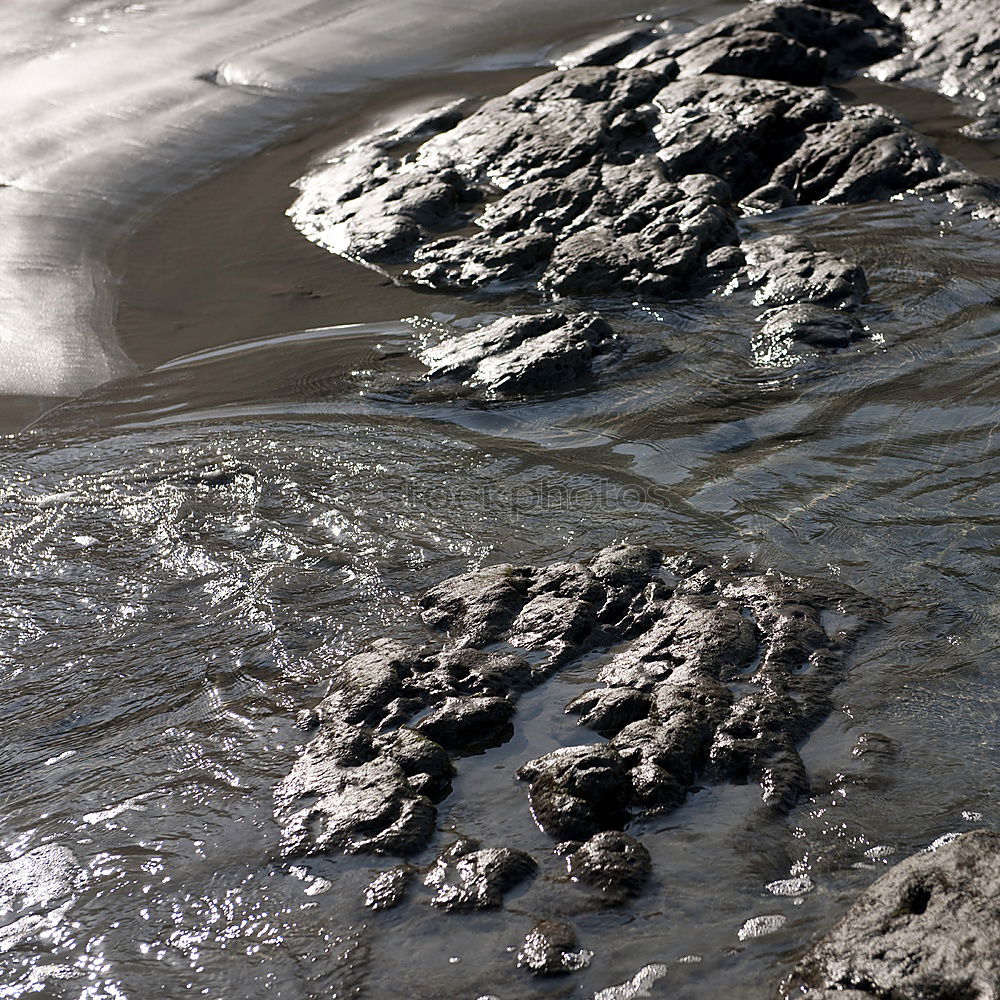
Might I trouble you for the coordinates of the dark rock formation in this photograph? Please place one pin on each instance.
(629, 179)
(788, 270)
(577, 791)
(550, 949)
(928, 928)
(812, 324)
(468, 877)
(796, 42)
(715, 674)
(351, 791)
(613, 862)
(389, 888)
(525, 353)
(953, 47)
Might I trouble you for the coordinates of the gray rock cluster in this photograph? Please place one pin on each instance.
(710, 674)
(629, 179)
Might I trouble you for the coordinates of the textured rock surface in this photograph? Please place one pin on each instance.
(352, 792)
(708, 673)
(812, 324)
(615, 863)
(786, 270)
(928, 928)
(531, 353)
(389, 888)
(953, 46)
(467, 877)
(630, 180)
(550, 949)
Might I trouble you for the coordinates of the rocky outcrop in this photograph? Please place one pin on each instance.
(951, 46)
(550, 949)
(928, 928)
(629, 178)
(710, 674)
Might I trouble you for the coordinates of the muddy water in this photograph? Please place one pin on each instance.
(192, 551)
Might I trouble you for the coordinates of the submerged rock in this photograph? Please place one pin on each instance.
(468, 877)
(812, 324)
(928, 928)
(525, 353)
(613, 862)
(550, 949)
(789, 270)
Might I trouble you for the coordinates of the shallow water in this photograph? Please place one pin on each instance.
(193, 549)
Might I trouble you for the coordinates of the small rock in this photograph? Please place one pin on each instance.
(524, 353)
(388, 889)
(615, 863)
(812, 324)
(550, 949)
(576, 792)
(471, 878)
(466, 724)
(789, 270)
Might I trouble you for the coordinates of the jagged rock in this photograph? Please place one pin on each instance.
(468, 877)
(524, 353)
(477, 608)
(388, 683)
(613, 862)
(712, 673)
(629, 180)
(866, 155)
(927, 928)
(564, 608)
(388, 889)
(550, 949)
(827, 38)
